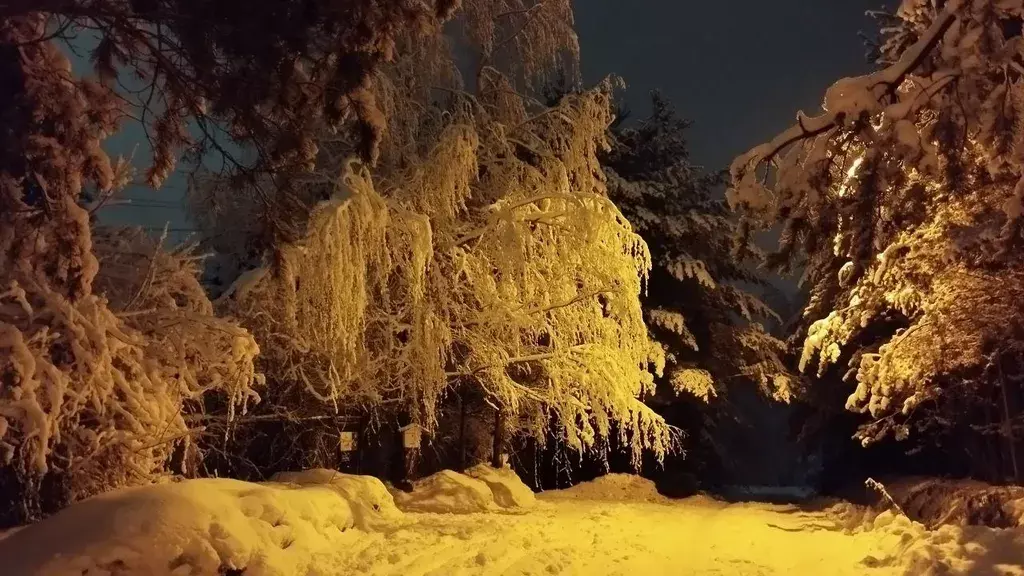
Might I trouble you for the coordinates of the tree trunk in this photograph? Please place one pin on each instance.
(412, 457)
(462, 434)
(1006, 429)
(361, 440)
(499, 438)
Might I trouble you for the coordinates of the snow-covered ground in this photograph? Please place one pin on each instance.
(322, 523)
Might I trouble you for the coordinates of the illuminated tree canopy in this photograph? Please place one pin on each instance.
(481, 251)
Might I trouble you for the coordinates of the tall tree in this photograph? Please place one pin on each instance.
(701, 301)
(91, 399)
(202, 74)
(902, 202)
(482, 252)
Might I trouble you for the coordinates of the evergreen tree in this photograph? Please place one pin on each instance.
(701, 301)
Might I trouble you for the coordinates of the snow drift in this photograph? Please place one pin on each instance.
(612, 487)
(480, 489)
(319, 523)
(209, 526)
(506, 487)
(367, 496)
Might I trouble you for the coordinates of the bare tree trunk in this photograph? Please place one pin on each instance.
(412, 457)
(1006, 430)
(361, 441)
(499, 438)
(462, 434)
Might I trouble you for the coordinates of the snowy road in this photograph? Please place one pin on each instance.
(693, 537)
(321, 523)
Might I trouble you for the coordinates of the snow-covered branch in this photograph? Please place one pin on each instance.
(845, 102)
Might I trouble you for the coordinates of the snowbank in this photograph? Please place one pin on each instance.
(948, 550)
(370, 500)
(612, 487)
(480, 489)
(306, 525)
(195, 527)
(937, 501)
(447, 492)
(508, 490)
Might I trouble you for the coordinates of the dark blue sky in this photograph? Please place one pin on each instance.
(739, 69)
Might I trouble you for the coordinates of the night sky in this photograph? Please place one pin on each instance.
(739, 69)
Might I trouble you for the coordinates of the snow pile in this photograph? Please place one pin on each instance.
(195, 527)
(612, 487)
(508, 490)
(937, 501)
(949, 550)
(480, 489)
(447, 492)
(369, 499)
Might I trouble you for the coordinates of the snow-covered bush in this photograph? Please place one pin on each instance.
(98, 394)
(447, 492)
(508, 490)
(368, 497)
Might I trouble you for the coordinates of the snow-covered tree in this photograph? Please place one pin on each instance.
(700, 303)
(482, 251)
(99, 365)
(243, 85)
(902, 203)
